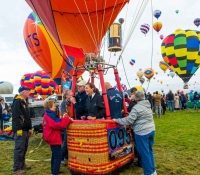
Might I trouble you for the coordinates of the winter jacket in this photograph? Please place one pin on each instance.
(140, 118)
(52, 126)
(170, 96)
(157, 99)
(196, 97)
(20, 115)
(95, 107)
(132, 103)
(80, 104)
(115, 100)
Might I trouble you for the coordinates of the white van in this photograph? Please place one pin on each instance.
(8, 98)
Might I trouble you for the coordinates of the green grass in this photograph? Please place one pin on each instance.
(177, 148)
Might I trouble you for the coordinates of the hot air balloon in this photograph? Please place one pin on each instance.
(27, 80)
(154, 78)
(45, 50)
(156, 73)
(197, 22)
(164, 66)
(177, 11)
(157, 26)
(132, 62)
(43, 84)
(148, 73)
(161, 82)
(172, 73)
(161, 37)
(180, 51)
(124, 87)
(144, 28)
(6, 87)
(168, 75)
(157, 13)
(70, 23)
(121, 20)
(136, 79)
(142, 80)
(139, 73)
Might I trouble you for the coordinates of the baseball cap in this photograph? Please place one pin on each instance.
(81, 83)
(22, 88)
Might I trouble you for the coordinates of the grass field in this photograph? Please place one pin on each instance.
(177, 148)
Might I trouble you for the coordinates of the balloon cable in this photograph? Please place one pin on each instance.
(151, 42)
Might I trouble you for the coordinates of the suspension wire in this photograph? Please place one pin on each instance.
(125, 22)
(151, 42)
(75, 37)
(102, 17)
(51, 37)
(90, 22)
(85, 23)
(105, 38)
(97, 21)
(139, 14)
(125, 74)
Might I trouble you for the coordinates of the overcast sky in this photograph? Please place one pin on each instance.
(16, 61)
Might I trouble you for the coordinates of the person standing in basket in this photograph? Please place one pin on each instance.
(21, 124)
(80, 100)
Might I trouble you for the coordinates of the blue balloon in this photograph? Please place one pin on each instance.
(157, 13)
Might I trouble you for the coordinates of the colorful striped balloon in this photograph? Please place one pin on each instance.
(181, 51)
(144, 28)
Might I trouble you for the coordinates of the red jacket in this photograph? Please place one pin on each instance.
(52, 126)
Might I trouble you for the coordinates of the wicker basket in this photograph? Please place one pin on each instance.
(98, 147)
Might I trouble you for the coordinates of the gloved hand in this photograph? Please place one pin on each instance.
(19, 132)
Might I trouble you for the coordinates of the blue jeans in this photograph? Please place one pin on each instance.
(55, 159)
(195, 103)
(144, 144)
(158, 110)
(64, 145)
(180, 105)
(171, 104)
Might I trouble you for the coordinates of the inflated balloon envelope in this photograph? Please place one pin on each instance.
(46, 51)
(181, 51)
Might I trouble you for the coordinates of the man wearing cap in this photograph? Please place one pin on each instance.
(80, 100)
(21, 124)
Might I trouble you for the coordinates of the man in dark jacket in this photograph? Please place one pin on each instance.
(21, 124)
(115, 100)
(80, 100)
(170, 101)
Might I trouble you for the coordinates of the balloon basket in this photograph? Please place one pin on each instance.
(185, 86)
(98, 147)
